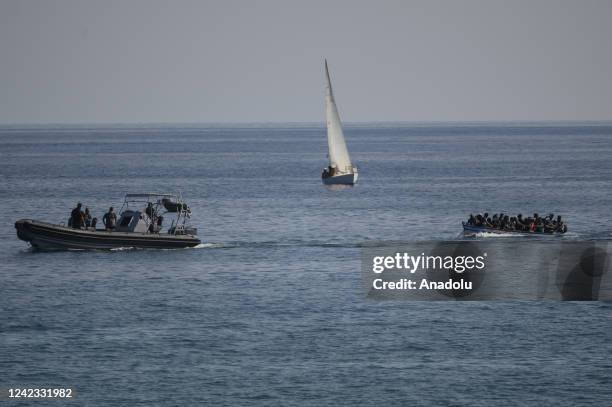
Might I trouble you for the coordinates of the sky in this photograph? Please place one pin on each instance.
(262, 61)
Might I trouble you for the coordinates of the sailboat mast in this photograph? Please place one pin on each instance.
(329, 86)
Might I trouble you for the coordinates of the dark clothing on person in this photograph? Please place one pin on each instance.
(536, 224)
(149, 210)
(471, 220)
(77, 218)
(110, 220)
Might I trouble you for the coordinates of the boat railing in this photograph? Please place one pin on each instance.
(156, 201)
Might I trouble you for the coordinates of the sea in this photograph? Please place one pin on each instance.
(270, 309)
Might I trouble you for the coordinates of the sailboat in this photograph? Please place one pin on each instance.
(340, 170)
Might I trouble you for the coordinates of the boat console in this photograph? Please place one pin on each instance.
(133, 221)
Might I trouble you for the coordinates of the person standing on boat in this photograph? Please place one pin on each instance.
(110, 219)
(77, 217)
(149, 209)
(87, 217)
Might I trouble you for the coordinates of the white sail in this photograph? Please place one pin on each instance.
(338, 154)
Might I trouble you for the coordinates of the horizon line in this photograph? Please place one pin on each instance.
(309, 123)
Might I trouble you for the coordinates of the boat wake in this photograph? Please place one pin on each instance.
(199, 246)
(491, 235)
(209, 246)
(486, 235)
(122, 249)
(254, 245)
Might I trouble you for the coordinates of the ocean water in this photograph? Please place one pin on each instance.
(270, 310)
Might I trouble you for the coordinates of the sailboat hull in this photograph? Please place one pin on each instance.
(346, 179)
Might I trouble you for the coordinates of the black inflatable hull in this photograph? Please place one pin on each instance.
(47, 236)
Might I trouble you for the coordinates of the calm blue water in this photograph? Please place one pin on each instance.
(271, 310)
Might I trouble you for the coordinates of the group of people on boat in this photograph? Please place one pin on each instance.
(80, 219)
(535, 223)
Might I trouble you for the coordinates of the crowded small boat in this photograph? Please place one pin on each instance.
(503, 223)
